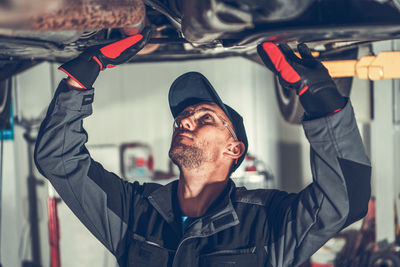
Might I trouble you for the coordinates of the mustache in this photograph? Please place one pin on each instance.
(185, 132)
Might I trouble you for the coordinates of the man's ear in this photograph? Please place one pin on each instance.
(234, 150)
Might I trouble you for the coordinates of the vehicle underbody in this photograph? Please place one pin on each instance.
(58, 30)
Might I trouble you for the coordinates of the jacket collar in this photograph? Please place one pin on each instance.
(163, 199)
(220, 215)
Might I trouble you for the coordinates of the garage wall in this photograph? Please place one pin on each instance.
(131, 105)
(31, 92)
(133, 102)
(9, 223)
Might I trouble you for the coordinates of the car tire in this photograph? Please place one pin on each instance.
(384, 258)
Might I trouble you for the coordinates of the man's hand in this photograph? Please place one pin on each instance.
(84, 69)
(311, 80)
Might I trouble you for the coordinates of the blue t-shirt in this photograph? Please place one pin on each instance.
(186, 222)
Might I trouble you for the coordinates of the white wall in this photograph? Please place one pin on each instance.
(9, 227)
(132, 101)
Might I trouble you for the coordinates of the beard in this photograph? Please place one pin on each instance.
(186, 156)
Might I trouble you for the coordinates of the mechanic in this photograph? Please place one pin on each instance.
(202, 219)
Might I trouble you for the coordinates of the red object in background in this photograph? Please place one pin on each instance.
(136, 161)
(54, 232)
(321, 265)
(250, 163)
(251, 168)
(150, 163)
(140, 162)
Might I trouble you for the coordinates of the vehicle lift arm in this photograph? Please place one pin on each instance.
(386, 65)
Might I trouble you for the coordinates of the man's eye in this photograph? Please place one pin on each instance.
(207, 118)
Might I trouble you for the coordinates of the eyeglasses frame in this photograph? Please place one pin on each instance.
(224, 122)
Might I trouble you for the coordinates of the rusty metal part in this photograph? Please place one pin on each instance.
(74, 15)
(136, 28)
(386, 65)
(15, 12)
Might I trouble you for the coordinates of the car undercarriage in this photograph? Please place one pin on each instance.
(58, 30)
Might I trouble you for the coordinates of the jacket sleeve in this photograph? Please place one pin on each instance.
(301, 223)
(100, 199)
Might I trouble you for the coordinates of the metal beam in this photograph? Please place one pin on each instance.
(386, 65)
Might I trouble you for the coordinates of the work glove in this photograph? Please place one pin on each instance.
(317, 91)
(85, 68)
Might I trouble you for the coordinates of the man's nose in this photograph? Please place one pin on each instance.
(188, 124)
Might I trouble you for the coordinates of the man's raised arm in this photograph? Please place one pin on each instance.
(100, 199)
(301, 223)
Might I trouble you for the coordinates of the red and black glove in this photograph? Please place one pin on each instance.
(85, 68)
(318, 93)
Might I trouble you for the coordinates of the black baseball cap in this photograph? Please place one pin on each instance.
(192, 88)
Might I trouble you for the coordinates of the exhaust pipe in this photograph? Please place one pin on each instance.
(61, 15)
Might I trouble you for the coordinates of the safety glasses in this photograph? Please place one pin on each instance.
(203, 117)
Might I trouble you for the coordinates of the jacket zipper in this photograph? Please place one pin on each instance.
(233, 251)
(227, 251)
(187, 238)
(142, 239)
(180, 244)
(152, 243)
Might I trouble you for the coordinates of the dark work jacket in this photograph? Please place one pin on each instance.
(140, 224)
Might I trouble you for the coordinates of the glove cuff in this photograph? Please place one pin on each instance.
(84, 72)
(322, 103)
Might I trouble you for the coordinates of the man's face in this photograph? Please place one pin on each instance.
(199, 136)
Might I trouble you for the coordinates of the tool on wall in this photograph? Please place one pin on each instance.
(137, 164)
(136, 161)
